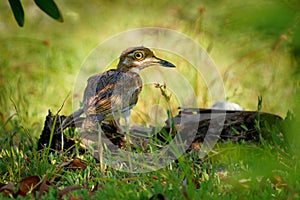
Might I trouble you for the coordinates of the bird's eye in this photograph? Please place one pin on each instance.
(138, 55)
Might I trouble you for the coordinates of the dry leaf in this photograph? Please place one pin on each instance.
(74, 164)
(78, 164)
(68, 189)
(7, 189)
(43, 187)
(27, 184)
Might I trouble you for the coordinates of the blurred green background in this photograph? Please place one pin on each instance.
(253, 43)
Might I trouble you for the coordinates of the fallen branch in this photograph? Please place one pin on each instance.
(232, 126)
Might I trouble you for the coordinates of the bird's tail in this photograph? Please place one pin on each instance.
(71, 119)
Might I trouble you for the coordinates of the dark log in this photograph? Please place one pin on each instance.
(236, 125)
(233, 126)
(59, 142)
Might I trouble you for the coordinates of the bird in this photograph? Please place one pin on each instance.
(112, 94)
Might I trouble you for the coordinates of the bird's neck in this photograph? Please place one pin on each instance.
(122, 67)
(125, 68)
(135, 70)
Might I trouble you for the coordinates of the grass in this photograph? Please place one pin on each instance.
(39, 64)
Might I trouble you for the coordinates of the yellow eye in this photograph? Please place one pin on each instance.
(138, 55)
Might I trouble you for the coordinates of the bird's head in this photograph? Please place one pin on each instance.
(136, 58)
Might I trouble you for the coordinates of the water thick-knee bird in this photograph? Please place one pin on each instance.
(113, 93)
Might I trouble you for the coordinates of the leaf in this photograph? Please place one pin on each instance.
(68, 190)
(7, 189)
(43, 187)
(75, 164)
(27, 184)
(49, 7)
(244, 127)
(78, 164)
(18, 11)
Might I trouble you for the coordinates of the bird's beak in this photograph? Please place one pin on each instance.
(163, 63)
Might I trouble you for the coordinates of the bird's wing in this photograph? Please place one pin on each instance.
(105, 92)
(98, 92)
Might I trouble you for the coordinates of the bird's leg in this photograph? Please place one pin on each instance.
(100, 147)
(117, 125)
(127, 137)
(127, 126)
(124, 129)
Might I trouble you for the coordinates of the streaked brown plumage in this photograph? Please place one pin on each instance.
(112, 94)
(105, 93)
